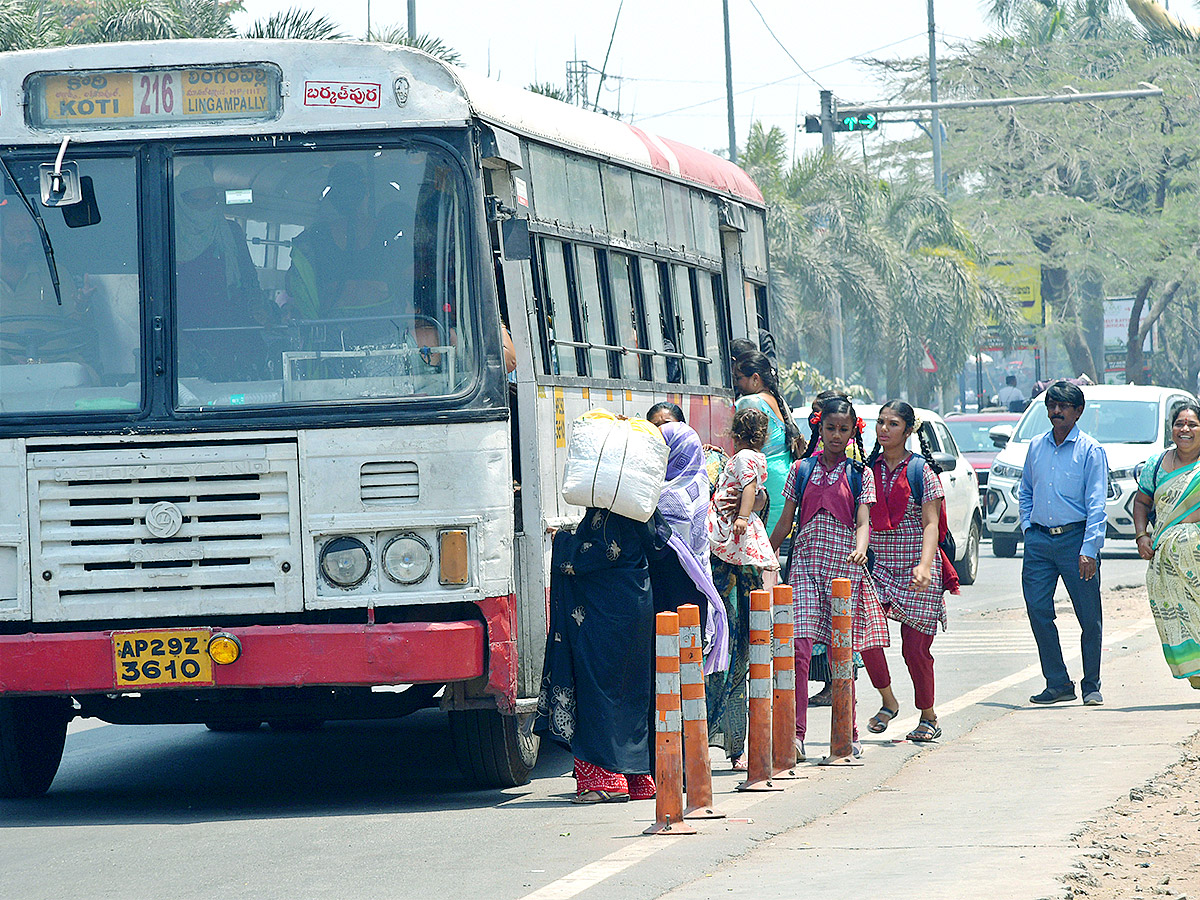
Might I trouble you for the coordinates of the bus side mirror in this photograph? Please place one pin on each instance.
(514, 235)
(86, 211)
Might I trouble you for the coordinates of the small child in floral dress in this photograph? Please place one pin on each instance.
(741, 551)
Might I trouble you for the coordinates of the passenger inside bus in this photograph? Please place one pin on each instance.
(222, 309)
(33, 326)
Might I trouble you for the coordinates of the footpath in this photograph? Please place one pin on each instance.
(1039, 802)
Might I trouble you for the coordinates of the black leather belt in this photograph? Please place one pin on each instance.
(1056, 530)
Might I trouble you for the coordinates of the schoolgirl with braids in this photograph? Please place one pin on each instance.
(827, 506)
(911, 572)
(757, 388)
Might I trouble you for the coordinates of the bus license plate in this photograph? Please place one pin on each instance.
(145, 659)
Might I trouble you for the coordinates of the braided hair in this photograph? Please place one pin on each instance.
(754, 362)
(834, 406)
(909, 416)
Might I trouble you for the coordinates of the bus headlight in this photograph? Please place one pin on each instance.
(407, 559)
(345, 562)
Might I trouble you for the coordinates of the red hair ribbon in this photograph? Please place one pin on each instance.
(815, 419)
(861, 425)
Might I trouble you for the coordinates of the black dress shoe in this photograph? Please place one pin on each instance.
(1049, 696)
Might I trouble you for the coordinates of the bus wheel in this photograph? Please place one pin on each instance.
(33, 731)
(493, 750)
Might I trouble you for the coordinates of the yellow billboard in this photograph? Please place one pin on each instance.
(1025, 280)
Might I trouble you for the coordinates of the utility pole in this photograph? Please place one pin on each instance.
(729, 86)
(936, 126)
(412, 20)
(837, 351)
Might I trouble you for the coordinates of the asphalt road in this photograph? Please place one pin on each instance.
(377, 810)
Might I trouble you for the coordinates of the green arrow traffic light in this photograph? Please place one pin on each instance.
(866, 122)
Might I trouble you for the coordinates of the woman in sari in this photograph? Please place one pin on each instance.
(1170, 484)
(597, 680)
(757, 388)
(685, 576)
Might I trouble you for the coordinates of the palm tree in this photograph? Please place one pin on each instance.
(23, 26)
(296, 23)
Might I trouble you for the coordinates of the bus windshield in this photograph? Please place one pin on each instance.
(320, 275)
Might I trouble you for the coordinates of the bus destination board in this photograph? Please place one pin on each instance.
(148, 97)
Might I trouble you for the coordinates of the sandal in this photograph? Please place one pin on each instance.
(925, 731)
(823, 697)
(600, 797)
(739, 763)
(879, 722)
(801, 756)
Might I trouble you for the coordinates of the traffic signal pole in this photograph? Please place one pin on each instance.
(937, 126)
(837, 345)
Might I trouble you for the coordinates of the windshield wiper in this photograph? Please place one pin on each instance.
(47, 248)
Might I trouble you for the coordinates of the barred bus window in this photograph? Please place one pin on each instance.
(724, 329)
(621, 270)
(686, 325)
(541, 305)
(562, 317)
(611, 319)
(588, 281)
(706, 320)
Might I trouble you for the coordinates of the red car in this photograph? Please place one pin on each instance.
(971, 432)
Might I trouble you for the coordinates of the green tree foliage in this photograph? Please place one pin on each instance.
(906, 272)
(1103, 195)
(296, 23)
(546, 89)
(430, 44)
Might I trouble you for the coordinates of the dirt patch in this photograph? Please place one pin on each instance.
(1119, 603)
(1147, 845)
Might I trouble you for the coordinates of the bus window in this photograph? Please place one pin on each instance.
(707, 342)
(656, 302)
(541, 306)
(618, 201)
(583, 189)
(320, 276)
(651, 218)
(706, 225)
(571, 361)
(548, 176)
(587, 279)
(754, 246)
(724, 329)
(85, 354)
(686, 325)
(679, 216)
(611, 325)
(623, 272)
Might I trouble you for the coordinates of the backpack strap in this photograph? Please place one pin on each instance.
(916, 477)
(854, 475)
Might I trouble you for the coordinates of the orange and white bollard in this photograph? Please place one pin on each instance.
(697, 769)
(758, 738)
(668, 750)
(841, 665)
(783, 702)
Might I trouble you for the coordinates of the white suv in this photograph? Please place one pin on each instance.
(963, 514)
(1130, 422)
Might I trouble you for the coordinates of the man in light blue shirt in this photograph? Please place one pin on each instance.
(1063, 489)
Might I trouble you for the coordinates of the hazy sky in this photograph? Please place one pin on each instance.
(666, 68)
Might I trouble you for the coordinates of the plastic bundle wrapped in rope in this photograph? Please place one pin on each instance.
(615, 463)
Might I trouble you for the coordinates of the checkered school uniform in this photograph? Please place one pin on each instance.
(820, 554)
(898, 552)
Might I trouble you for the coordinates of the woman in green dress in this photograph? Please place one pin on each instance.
(1170, 484)
(757, 388)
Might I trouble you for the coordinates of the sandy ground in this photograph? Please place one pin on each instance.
(1147, 845)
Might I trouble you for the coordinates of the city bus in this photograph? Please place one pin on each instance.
(261, 456)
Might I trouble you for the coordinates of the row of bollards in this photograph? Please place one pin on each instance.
(681, 724)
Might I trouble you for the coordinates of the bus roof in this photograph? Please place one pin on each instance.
(312, 74)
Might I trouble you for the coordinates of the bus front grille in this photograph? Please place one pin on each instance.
(165, 531)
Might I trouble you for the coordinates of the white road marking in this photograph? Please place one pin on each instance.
(589, 876)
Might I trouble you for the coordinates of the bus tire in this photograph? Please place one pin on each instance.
(33, 731)
(491, 749)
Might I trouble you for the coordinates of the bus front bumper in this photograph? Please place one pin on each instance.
(271, 656)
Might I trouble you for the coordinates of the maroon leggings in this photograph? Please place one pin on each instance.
(803, 659)
(915, 647)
